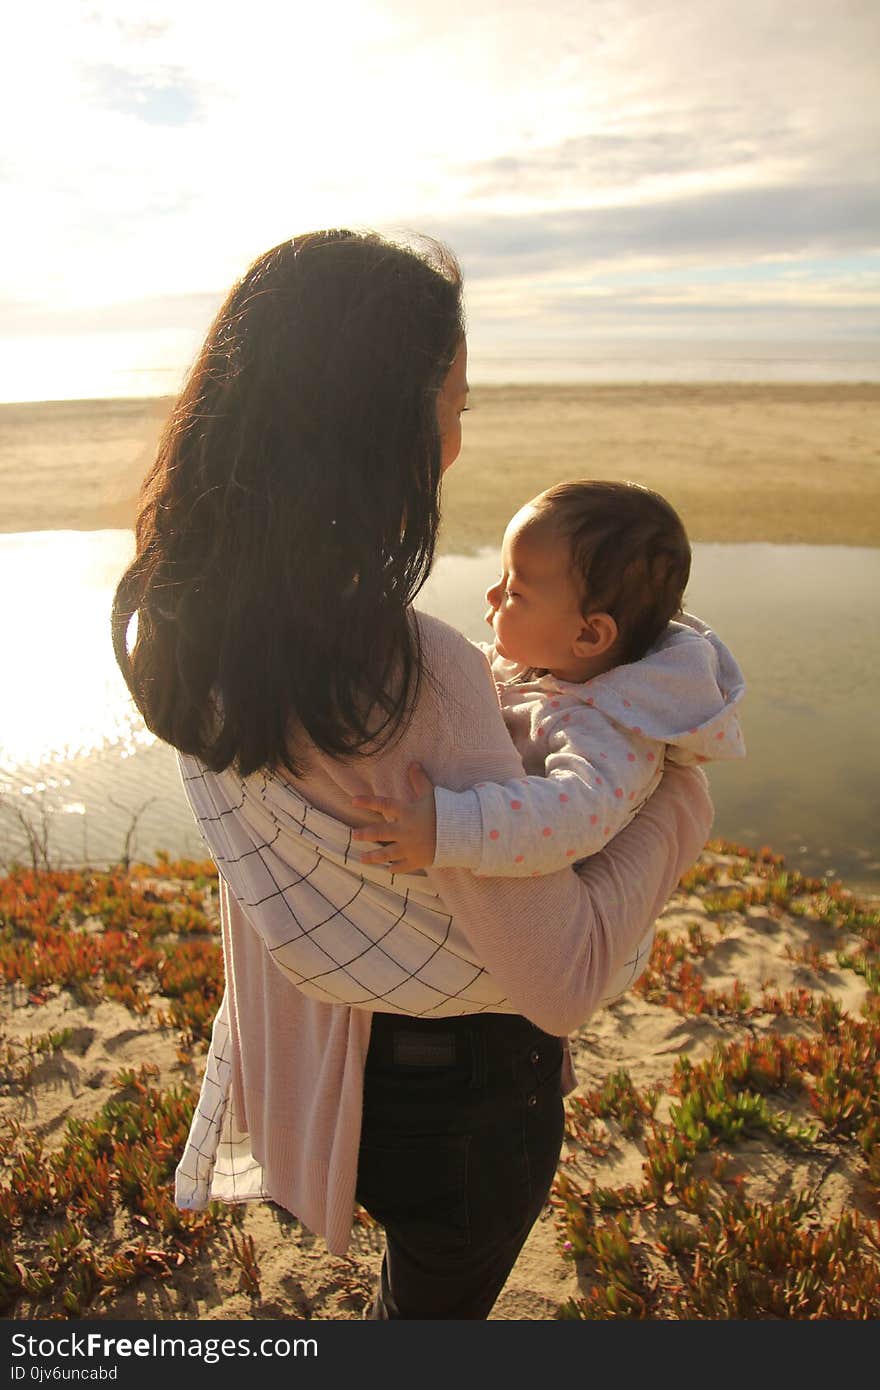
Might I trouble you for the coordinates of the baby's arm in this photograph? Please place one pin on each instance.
(597, 777)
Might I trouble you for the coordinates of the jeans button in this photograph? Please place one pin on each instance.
(532, 1100)
(535, 1057)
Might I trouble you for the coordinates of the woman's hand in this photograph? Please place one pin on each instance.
(409, 828)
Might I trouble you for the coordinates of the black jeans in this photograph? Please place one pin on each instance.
(462, 1129)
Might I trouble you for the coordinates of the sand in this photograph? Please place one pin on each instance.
(779, 463)
(762, 947)
(740, 463)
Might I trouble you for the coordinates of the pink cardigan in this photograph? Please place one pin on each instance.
(280, 1110)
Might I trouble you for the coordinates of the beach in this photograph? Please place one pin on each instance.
(727, 1103)
(779, 462)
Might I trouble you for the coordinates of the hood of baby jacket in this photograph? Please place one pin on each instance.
(683, 692)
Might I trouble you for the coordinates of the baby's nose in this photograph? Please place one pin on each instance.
(493, 595)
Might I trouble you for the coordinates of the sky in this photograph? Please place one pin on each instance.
(604, 169)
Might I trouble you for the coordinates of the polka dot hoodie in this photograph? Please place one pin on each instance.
(593, 753)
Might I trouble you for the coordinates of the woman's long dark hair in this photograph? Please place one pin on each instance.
(291, 513)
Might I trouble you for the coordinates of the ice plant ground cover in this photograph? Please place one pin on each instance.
(722, 1155)
(759, 1188)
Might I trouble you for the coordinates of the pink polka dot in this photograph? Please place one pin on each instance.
(563, 797)
(540, 733)
(618, 791)
(630, 757)
(720, 734)
(607, 830)
(569, 854)
(546, 831)
(566, 718)
(516, 805)
(636, 729)
(536, 873)
(651, 758)
(632, 796)
(603, 755)
(493, 834)
(481, 784)
(627, 705)
(554, 704)
(594, 820)
(518, 859)
(598, 781)
(692, 731)
(590, 703)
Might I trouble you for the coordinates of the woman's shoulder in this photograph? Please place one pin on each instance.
(459, 678)
(441, 643)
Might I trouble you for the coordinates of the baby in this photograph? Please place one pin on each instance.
(601, 677)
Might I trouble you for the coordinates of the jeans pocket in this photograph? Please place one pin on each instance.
(416, 1186)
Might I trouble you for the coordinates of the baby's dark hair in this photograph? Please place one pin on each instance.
(630, 551)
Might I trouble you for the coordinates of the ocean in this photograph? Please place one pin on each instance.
(676, 359)
(93, 369)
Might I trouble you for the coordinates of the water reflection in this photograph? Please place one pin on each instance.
(802, 621)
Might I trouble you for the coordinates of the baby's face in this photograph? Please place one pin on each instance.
(535, 607)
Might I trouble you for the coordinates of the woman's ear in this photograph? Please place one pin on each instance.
(597, 635)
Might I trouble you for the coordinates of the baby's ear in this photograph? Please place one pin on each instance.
(597, 635)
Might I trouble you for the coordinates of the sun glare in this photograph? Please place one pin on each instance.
(64, 694)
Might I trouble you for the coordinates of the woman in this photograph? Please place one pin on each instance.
(395, 1041)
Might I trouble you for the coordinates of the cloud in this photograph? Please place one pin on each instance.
(733, 224)
(163, 98)
(614, 159)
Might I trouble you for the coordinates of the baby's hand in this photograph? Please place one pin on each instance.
(409, 828)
